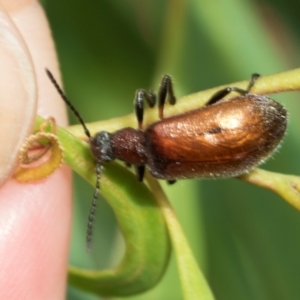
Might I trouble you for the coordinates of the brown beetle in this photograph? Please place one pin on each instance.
(222, 139)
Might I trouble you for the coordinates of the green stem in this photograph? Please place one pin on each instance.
(275, 83)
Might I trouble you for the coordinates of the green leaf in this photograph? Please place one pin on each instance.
(140, 220)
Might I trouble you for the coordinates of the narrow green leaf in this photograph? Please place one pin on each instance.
(193, 282)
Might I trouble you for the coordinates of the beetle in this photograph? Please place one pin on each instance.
(224, 138)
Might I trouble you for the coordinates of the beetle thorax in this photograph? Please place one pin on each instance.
(129, 146)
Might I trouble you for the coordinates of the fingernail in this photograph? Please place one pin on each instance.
(18, 94)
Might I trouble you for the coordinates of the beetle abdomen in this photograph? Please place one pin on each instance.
(225, 139)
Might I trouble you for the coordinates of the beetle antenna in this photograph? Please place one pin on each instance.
(98, 164)
(67, 101)
(90, 225)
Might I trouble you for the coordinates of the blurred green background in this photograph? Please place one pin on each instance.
(245, 239)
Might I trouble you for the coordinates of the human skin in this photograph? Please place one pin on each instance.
(34, 217)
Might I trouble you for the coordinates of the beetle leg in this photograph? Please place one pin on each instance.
(139, 99)
(254, 77)
(165, 91)
(140, 171)
(171, 181)
(222, 93)
(218, 96)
